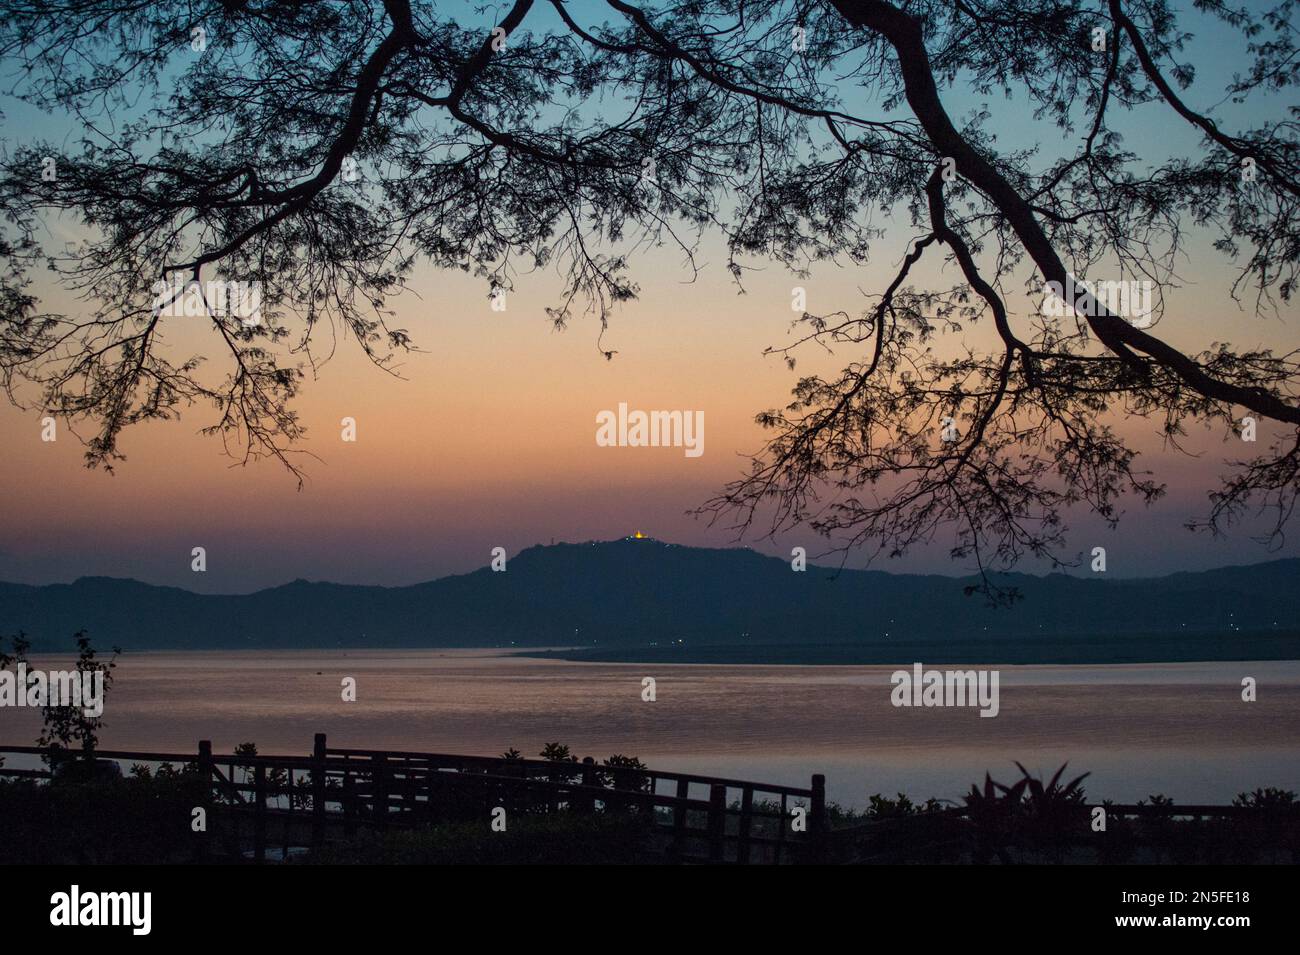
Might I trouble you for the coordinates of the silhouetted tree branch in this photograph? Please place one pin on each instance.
(558, 137)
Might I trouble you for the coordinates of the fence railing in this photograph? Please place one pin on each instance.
(296, 801)
(281, 802)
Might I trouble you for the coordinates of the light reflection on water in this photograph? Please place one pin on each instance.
(1180, 729)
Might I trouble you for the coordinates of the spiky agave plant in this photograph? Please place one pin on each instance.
(1055, 815)
(992, 813)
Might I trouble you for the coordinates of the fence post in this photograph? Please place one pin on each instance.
(349, 802)
(205, 795)
(318, 792)
(746, 817)
(646, 784)
(379, 790)
(717, 821)
(431, 787)
(679, 819)
(259, 813)
(410, 788)
(587, 803)
(817, 820)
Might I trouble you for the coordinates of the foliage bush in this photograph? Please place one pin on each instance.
(136, 820)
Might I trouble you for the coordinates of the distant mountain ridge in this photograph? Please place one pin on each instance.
(635, 592)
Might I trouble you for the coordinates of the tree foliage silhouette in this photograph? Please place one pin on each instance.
(221, 139)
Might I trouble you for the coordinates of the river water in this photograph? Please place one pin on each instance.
(1179, 729)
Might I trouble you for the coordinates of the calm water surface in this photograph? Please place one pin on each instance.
(1180, 729)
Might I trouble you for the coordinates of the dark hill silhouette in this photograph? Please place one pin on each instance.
(631, 593)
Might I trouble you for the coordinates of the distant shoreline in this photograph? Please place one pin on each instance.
(1136, 648)
(1014, 651)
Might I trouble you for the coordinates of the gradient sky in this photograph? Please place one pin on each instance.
(488, 437)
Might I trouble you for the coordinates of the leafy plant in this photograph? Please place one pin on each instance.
(1273, 822)
(17, 655)
(1157, 828)
(624, 772)
(1268, 799)
(67, 724)
(991, 813)
(882, 807)
(557, 753)
(1055, 815)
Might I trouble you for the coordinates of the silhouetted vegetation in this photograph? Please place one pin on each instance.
(357, 143)
(141, 819)
(68, 727)
(145, 818)
(882, 807)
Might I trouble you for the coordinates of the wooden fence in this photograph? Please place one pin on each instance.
(270, 806)
(303, 801)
